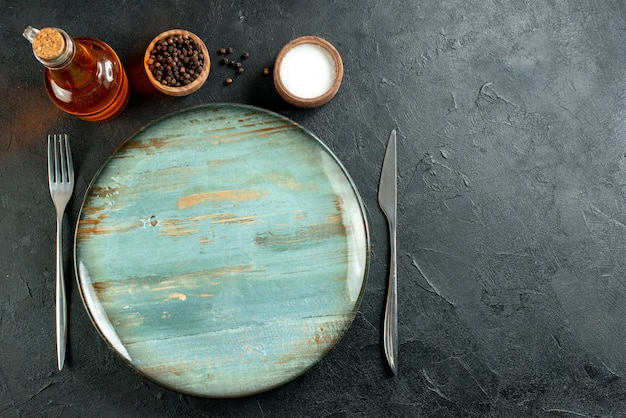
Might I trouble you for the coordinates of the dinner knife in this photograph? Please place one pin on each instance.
(387, 199)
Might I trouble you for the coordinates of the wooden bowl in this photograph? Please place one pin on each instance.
(183, 90)
(292, 97)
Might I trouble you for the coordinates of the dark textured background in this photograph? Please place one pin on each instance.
(512, 186)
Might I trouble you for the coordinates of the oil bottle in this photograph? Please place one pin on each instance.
(83, 76)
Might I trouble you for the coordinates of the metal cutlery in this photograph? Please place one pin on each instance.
(61, 182)
(387, 200)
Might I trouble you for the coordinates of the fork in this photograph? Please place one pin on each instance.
(61, 182)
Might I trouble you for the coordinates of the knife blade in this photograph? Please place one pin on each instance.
(387, 200)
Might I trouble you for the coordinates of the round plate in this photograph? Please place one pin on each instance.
(222, 250)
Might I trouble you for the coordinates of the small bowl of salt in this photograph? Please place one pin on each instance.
(308, 72)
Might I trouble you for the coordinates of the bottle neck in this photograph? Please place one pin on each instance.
(62, 60)
(68, 62)
(53, 47)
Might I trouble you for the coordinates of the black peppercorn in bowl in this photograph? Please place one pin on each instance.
(177, 62)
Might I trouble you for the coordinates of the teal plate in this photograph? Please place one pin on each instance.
(222, 250)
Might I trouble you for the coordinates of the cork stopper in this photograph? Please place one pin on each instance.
(48, 44)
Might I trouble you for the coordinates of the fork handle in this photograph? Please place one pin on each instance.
(390, 324)
(60, 302)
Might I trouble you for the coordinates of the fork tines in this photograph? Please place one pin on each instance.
(60, 166)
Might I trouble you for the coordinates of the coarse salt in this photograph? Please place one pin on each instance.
(308, 71)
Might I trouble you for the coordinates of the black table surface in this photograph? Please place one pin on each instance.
(511, 191)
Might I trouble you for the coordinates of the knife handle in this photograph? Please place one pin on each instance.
(390, 324)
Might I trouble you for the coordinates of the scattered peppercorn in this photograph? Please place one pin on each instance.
(266, 71)
(176, 61)
(236, 65)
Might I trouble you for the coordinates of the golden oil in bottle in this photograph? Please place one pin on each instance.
(83, 76)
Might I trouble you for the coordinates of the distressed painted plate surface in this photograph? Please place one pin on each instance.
(222, 250)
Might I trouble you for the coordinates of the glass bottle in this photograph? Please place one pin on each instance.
(83, 76)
